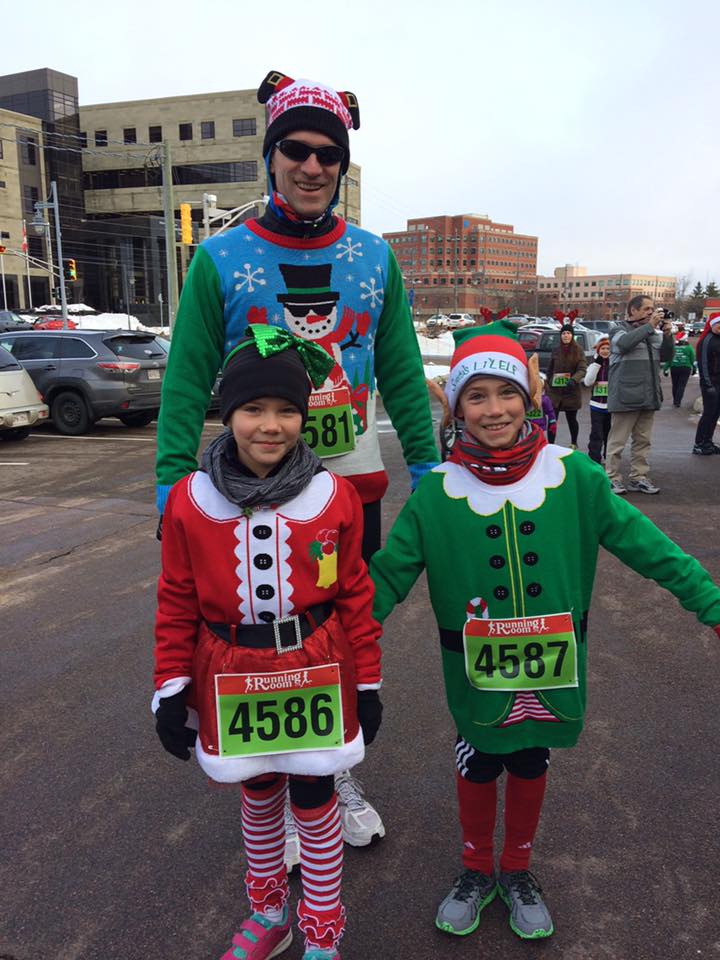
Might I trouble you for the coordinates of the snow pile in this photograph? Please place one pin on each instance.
(436, 371)
(442, 346)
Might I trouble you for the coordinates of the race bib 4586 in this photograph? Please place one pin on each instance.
(280, 712)
(521, 653)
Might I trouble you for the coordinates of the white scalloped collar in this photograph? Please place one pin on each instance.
(527, 494)
(307, 505)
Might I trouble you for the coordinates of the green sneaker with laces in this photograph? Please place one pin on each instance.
(529, 916)
(459, 913)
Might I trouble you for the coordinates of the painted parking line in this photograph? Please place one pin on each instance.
(14, 463)
(60, 436)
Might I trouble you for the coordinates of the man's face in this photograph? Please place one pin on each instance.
(307, 186)
(642, 313)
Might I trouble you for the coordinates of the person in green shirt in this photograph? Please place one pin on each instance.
(681, 366)
(511, 590)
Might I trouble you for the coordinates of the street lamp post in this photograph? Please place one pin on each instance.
(40, 225)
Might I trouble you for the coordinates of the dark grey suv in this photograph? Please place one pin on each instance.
(84, 375)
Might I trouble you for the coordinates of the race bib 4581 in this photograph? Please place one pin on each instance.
(281, 712)
(521, 653)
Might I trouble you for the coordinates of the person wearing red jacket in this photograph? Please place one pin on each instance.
(264, 629)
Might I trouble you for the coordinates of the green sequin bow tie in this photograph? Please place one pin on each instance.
(270, 340)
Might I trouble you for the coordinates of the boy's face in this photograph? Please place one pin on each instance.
(265, 430)
(493, 411)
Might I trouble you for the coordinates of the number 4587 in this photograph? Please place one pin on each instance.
(509, 662)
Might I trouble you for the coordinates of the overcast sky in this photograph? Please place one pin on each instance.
(591, 125)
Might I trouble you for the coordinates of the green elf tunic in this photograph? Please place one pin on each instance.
(506, 547)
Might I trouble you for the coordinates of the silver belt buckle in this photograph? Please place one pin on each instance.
(284, 648)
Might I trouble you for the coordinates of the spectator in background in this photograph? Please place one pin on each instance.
(565, 374)
(681, 366)
(597, 378)
(707, 350)
(639, 344)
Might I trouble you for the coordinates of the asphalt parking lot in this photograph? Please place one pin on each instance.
(113, 850)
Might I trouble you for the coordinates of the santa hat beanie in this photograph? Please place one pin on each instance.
(306, 105)
(247, 375)
(602, 342)
(490, 351)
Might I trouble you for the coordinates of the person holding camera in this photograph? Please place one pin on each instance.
(639, 345)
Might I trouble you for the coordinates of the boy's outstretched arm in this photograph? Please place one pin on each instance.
(396, 567)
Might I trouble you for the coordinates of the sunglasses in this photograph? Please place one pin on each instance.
(303, 309)
(299, 152)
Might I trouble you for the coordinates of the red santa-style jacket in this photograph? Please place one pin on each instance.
(221, 564)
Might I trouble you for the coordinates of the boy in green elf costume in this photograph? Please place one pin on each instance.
(513, 617)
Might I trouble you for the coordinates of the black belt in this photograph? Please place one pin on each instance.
(284, 634)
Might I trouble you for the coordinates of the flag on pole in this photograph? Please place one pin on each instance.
(24, 240)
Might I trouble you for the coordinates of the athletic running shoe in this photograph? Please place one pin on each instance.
(617, 486)
(361, 823)
(292, 840)
(459, 913)
(529, 917)
(706, 449)
(643, 485)
(259, 938)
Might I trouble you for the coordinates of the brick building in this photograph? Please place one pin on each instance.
(457, 264)
(600, 294)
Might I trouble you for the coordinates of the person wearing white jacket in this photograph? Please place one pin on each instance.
(600, 419)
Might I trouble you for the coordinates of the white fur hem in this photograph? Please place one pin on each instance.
(317, 763)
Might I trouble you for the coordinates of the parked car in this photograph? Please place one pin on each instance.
(437, 320)
(21, 406)
(88, 374)
(54, 323)
(460, 320)
(11, 321)
(602, 326)
(543, 342)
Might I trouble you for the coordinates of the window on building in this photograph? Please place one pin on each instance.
(246, 127)
(4, 235)
(3, 185)
(185, 131)
(1, 149)
(28, 151)
(83, 139)
(207, 130)
(101, 139)
(155, 134)
(129, 135)
(30, 197)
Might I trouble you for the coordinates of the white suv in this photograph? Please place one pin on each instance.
(460, 320)
(21, 406)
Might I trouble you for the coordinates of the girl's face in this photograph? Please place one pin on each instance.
(493, 411)
(566, 337)
(604, 350)
(265, 430)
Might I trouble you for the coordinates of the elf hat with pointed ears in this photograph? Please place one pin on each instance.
(492, 351)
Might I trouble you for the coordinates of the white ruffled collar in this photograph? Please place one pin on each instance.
(307, 505)
(527, 494)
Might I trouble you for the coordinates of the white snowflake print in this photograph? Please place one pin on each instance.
(378, 268)
(373, 293)
(250, 277)
(349, 250)
(349, 277)
(306, 256)
(248, 238)
(260, 250)
(276, 318)
(223, 253)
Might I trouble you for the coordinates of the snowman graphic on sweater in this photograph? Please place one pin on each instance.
(311, 312)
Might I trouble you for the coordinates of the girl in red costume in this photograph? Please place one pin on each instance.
(264, 630)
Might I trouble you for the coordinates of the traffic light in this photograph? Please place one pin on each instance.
(185, 224)
(71, 270)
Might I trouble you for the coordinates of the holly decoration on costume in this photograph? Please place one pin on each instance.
(324, 550)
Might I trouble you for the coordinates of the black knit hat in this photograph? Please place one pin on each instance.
(305, 105)
(248, 376)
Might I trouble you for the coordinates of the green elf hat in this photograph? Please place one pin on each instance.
(491, 351)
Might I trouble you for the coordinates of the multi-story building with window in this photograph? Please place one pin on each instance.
(602, 294)
(462, 263)
(41, 144)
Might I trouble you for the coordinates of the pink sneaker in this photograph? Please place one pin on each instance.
(260, 938)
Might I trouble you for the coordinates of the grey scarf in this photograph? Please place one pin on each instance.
(220, 462)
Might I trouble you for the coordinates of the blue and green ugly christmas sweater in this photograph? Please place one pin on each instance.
(343, 290)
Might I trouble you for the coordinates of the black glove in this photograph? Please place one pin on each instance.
(170, 720)
(158, 532)
(710, 390)
(369, 711)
